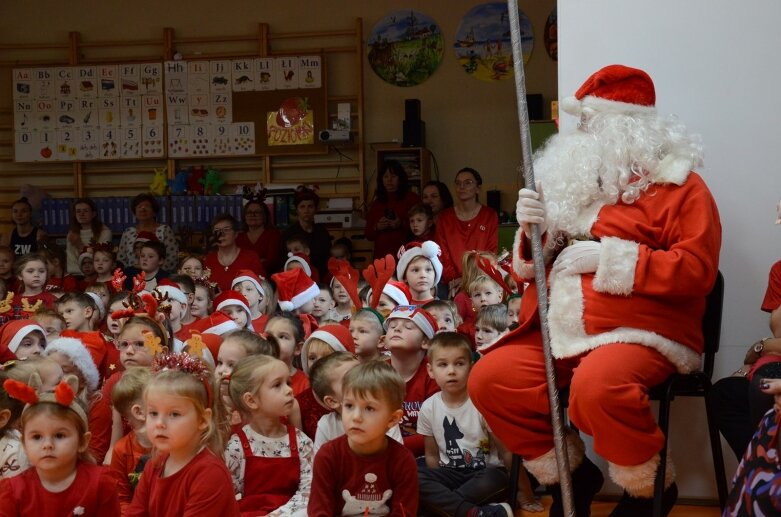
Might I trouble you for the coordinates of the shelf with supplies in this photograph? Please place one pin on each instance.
(416, 162)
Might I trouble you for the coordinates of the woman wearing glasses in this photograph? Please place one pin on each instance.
(228, 259)
(145, 207)
(467, 226)
(259, 236)
(387, 223)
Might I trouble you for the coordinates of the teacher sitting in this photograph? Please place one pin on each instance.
(228, 259)
(465, 227)
(85, 228)
(260, 236)
(387, 223)
(145, 207)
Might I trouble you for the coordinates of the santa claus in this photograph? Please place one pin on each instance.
(631, 237)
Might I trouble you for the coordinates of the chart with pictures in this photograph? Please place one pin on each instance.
(150, 110)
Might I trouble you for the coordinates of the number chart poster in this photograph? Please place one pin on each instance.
(173, 109)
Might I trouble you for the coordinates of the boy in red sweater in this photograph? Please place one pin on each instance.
(363, 472)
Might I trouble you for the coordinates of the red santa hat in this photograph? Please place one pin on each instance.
(98, 303)
(12, 334)
(86, 253)
(246, 275)
(294, 289)
(227, 298)
(421, 317)
(301, 258)
(337, 336)
(81, 358)
(215, 323)
(398, 292)
(616, 89)
(174, 292)
(146, 236)
(427, 249)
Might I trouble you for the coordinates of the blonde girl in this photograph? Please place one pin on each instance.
(183, 423)
(56, 439)
(484, 291)
(201, 306)
(270, 463)
(470, 270)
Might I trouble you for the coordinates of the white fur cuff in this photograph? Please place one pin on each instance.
(616, 270)
(638, 480)
(545, 468)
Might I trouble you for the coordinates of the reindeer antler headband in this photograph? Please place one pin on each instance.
(64, 395)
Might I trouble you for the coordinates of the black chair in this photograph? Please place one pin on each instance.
(695, 384)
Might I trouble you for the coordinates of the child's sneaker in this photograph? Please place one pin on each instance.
(492, 510)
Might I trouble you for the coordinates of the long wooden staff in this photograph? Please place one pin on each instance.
(560, 443)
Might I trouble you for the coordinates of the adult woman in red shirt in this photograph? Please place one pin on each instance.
(465, 227)
(228, 259)
(260, 236)
(387, 223)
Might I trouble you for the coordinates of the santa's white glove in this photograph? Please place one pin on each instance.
(578, 259)
(530, 210)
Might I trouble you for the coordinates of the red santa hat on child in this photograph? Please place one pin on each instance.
(337, 336)
(215, 323)
(302, 259)
(294, 289)
(98, 303)
(12, 334)
(422, 318)
(227, 298)
(86, 253)
(81, 358)
(246, 275)
(427, 249)
(398, 292)
(616, 89)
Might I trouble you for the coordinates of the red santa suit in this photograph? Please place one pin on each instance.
(614, 332)
(92, 492)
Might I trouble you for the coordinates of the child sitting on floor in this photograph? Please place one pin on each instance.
(250, 285)
(368, 334)
(490, 325)
(446, 314)
(419, 267)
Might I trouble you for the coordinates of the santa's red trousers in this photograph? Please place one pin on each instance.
(608, 397)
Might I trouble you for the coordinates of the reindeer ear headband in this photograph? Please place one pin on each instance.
(348, 276)
(507, 266)
(489, 269)
(188, 364)
(64, 394)
(377, 275)
(139, 302)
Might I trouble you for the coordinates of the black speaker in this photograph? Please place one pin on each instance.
(494, 200)
(534, 106)
(412, 109)
(414, 133)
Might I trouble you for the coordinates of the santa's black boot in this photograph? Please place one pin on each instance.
(638, 483)
(587, 480)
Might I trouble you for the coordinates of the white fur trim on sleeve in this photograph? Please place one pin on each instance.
(616, 270)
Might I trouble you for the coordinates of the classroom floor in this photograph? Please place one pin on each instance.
(603, 509)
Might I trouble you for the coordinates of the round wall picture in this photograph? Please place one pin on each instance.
(551, 36)
(405, 47)
(483, 45)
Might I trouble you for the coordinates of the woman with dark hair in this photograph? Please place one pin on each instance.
(24, 237)
(319, 240)
(144, 207)
(228, 259)
(260, 236)
(387, 223)
(85, 228)
(436, 196)
(466, 226)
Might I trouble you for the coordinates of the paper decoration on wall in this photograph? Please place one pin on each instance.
(405, 47)
(291, 124)
(482, 44)
(552, 35)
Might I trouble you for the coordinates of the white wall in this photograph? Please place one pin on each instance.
(715, 65)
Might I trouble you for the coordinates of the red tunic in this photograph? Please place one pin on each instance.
(773, 294)
(223, 277)
(344, 483)
(259, 324)
(311, 411)
(300, 382)
(184, 333)
(389, 241)
(202, 488)
(124, 459)
(92, 493)
(420, 387)
(100, 420)
(267, 247)
(456, 237)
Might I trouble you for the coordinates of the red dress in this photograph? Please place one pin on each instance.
(300, 382)
(269, 482)
(311, 411)
(456, 237)
(223, 276)
(202, 488)
(93, 492)
(126, 454)
(389, 241)
(267, 247)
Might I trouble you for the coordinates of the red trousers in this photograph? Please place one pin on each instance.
(608, 397)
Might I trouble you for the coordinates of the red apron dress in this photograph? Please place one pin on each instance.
(269, 482)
